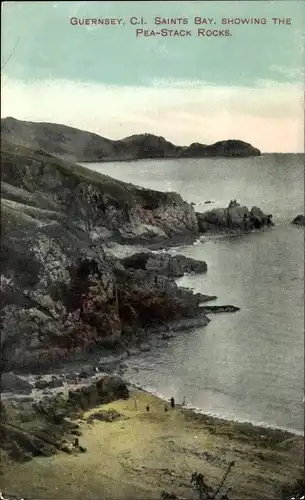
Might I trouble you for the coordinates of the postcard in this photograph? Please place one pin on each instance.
(152, 277)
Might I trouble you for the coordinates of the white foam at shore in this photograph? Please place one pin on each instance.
(219, 416)
(38, 394)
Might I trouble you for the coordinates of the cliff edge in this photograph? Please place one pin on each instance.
(61, 294)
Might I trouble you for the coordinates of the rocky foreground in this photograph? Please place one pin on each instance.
(78, 145)
(42, 425)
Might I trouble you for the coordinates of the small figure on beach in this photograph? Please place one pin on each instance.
(76, 442)
(172, 402)
(183, 401)
(257, 223)
(245, 221)
(147, 408)
(269, 221)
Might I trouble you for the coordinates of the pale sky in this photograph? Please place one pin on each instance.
(103, 79)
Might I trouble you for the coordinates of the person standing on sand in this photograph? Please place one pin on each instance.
(269, 221)
(245, 222)
(228, 219)
(172, 402)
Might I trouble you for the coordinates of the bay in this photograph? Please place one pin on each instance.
(246, 366)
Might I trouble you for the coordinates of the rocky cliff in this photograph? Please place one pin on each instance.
(61, 294)
(99, 205)
(77, 145)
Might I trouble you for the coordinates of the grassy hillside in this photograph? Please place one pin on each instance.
(78, 145)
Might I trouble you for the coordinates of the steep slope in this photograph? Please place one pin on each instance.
(61, 294)
(97, 203)
(60, 140)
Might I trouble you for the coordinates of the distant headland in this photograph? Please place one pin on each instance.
(78, 145)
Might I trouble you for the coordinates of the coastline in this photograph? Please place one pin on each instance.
(267, 458)
(218, 418)
(143, 453)
(156, 158)
(116, 367)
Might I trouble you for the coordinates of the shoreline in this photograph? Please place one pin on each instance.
(141, 453)
(116, 368)
(153, 158)
(218, 417)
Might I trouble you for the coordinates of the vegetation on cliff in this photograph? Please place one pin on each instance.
(78, 145)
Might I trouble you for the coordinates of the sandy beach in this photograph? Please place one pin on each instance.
(143, 453)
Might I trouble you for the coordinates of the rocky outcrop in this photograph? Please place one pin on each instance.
(102, 391)
(229, 148)
(299, 220)
(52, 383)
(165, 264)
(45, 427)
(76, 305)
(233, 217)
(77, 145)
(10, 382)
(219, 309)
(61, 294)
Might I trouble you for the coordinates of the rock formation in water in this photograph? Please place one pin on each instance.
(77, 145)
(234, 217)
(61, 293)
(299, 220)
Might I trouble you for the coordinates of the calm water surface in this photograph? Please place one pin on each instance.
(248, 365)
